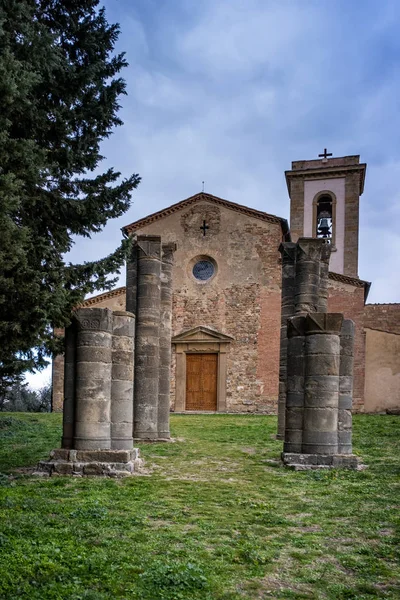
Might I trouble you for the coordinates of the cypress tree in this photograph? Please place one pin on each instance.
(59, 91)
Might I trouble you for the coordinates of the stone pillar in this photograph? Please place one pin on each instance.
(308, 256)
(324, 277)
(122, 380)
(288, 253)
(93, 378)
(165, 341)
(295, 385)
(69, 387)
(321, 389)
(131, 279)
(346, 387)
(147, 345)
(57, 375)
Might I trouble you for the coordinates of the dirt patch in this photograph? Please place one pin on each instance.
(266, 587)
(307, 529)
(249, 450)
(386, 532)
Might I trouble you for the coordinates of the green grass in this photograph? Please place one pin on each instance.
(214, 518)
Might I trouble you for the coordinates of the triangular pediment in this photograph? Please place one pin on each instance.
(204, 197)
(201, 334)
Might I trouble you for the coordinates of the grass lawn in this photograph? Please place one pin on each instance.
(214, 518)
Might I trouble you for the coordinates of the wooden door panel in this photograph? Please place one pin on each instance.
(201, 381)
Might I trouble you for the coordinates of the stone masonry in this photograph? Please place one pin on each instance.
(149, 295)
(98, 387)
(242, 299)
(316, 364)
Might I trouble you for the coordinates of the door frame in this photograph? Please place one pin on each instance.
(217, 377)
(201, 340)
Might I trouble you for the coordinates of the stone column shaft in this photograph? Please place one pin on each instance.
(308, 256)
(165, 341)
(93, 378)
(321, 390)
(294, 412)
(131, 279)
(324, 277)
(122, 380)
(147, 344)
(69, 387)
(346, 387)
(288, 252)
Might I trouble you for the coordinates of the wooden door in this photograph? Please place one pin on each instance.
(201, 381)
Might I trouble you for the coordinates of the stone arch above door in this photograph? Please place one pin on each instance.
(201, 340)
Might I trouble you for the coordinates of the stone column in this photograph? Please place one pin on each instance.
(69, 387)
(147, 345)
(324, 277)
(165, 341)
(288, 253)
(308, 256)
(321, 390)
(122, 380)
(346, 387)
(295, 385)
(131, 279)
(93, 378)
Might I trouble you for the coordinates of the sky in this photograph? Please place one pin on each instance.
(230, 92)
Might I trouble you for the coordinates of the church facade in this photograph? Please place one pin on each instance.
(226, 287)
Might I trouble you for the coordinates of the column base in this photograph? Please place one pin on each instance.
(100, 463)
(153, 440)
(305, 462)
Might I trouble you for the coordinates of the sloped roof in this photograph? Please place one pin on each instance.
(352, 281)
(203, 197)
(104, 296)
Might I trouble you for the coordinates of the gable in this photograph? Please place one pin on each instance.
(114, 299)
(203, 197)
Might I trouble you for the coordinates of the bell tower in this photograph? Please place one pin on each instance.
(324, 203)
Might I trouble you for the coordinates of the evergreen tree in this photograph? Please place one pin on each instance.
(59, 90)
(20, 398)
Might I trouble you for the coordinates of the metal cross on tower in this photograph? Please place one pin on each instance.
(325, 154)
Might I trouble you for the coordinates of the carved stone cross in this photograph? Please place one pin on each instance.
(204, 227)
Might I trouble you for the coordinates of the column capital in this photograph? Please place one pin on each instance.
(168, 252)
(288, 252)
(323, 323)
(309, 249)
(149, 246)
(326, 251)
(296, 326)
(93, 319)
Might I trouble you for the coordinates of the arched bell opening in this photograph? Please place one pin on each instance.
(324, 216)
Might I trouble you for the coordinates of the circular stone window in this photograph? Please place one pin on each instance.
(203, 270)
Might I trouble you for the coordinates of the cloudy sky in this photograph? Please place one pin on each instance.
(231, 91)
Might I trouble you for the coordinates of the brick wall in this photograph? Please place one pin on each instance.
(349, 300)
(242, 300)
(385, 317)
